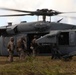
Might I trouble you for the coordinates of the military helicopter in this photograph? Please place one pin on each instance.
(41, 28)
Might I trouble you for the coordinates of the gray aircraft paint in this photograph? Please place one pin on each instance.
(52, 38)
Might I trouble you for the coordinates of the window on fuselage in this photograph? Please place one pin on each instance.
(63, 38)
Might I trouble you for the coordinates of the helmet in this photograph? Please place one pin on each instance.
(22, 38)
(11, 38)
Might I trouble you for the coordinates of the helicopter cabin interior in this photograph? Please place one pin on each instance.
(40, 49)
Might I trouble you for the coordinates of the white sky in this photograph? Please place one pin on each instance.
(59, 5)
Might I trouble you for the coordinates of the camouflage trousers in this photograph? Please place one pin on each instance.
(21, 53)
(10, 56)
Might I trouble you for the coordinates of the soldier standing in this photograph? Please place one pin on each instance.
(10, 48)
(21, 47)
(55, 52)
(34, 45)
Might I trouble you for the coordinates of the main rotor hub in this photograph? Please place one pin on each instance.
(42, 10)
(46, 12)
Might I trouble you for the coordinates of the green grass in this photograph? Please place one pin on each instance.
(40, 65)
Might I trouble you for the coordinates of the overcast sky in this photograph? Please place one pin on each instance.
(59, 5)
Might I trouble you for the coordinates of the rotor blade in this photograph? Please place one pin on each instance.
(43, 12)
(73, 17)
(63, 12)
(54, 12)
(67, 12)
(15, 15)
(38, 12)
(16, 10)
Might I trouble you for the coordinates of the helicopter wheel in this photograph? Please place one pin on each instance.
(67, 58)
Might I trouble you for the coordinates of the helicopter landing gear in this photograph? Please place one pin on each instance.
(67, 58)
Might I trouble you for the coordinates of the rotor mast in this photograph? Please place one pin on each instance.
(46, 12)
(44, 18)
(43, 12)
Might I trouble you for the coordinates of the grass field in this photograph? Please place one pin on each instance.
(40, 65)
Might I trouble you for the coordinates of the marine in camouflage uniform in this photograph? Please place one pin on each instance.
(10, 49)
(34, 45)
(21, 47)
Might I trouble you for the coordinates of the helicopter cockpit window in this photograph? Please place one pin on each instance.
(63, 38)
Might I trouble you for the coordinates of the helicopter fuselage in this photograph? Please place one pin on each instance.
(37, 27)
